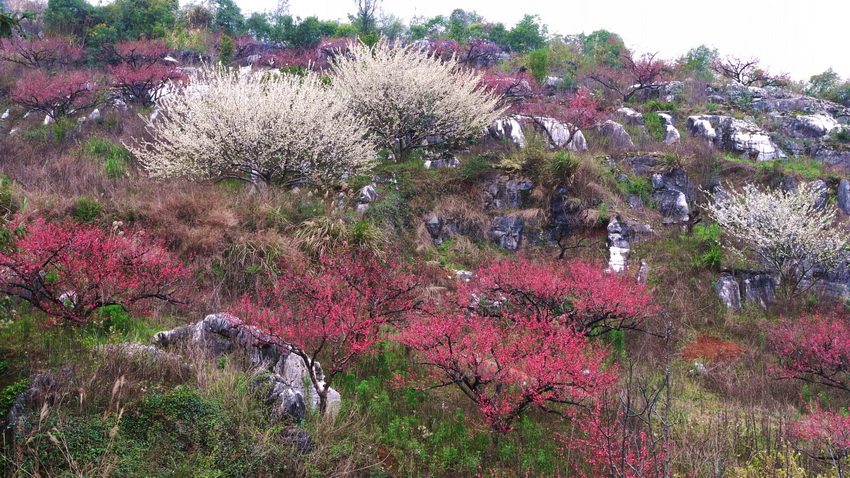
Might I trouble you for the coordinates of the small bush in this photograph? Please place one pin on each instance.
(87, 210)
(473, 169)
(10, 394)
(655, 105)
(563, 166)
(655, 126)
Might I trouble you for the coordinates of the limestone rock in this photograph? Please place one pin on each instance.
(729, 292)
(506, 231)
(844, 196)
(617, 136)
(735, 135)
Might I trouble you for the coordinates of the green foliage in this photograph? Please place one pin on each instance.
(10, 394)
(656, 105)
(392, 212)
(639, 186)
(228, 17)
(87, 210)
(527, 35)
(655, 126)
(697, 62)
(603, 47)
(842, 135)
(709, 239)
(9, 203)
(68, 17)
(115, 157)
(473, 169)
(823, 84)
(225, 49)
(563, 166)
(538, 63)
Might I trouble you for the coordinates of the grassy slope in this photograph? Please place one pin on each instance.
(208, 421)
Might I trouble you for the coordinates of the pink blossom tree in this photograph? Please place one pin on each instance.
(636, 74)
(70, 271)
(814, 349)
(57, 95)
(516, 336)
(45, 52)
(142, 73)
(334, 311)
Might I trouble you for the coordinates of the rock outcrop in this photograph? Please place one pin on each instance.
(286, 382)
(617, 136)
(735, 135)
(512, 128)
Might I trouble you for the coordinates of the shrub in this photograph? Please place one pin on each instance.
(262, 129)
(68, 272)
(115, 156)
(406, 96)
(87, 210)
(655, 126)
(10, 394)
(45, 53)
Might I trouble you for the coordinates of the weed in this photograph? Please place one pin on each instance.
(10, 394)
(87, 210)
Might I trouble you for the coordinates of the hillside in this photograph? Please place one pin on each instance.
(282, 251)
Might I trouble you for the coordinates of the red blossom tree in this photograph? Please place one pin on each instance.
(511, 87)
(70, 271)
(515, 336)
(614, 441)
(333, 311)
(815, 349)
(46, 52)
(827, 435)
(635, 74)
(575, 112)
(747, 72)
(57, 95)
(142, 72)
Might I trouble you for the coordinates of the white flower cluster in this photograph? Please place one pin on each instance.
(407, 96)
(789, 231)
(257, 127)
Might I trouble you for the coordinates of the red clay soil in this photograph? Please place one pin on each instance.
(711, 348)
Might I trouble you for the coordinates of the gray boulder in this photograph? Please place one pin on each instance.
(809, 126)
(735, 135)
(506, 231)
(619, 239)
(512, 129)
(631, 117)
(287, 378)
(618, 137)
(759, 288)
(672, 191)
(823, 193)
(844, 196)
(729, 292)
(506, 192)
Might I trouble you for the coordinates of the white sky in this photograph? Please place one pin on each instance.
(799, 37)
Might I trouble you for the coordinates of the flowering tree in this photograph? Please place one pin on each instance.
(815, 349)
(617, 438)
(335, 311)
(827, 435)
(787, 230)
(141, 74)
(406, 96)
(510, 88)
(70, 271)
(57, 95)
(46, 52)
(577, 112)
(257, 128)
(746, 72)
(635, 74)
(515, 336)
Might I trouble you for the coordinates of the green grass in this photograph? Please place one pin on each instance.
(115, 157)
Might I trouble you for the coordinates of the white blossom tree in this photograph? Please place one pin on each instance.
(789, 232)
(407, 96)
(257, 128)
